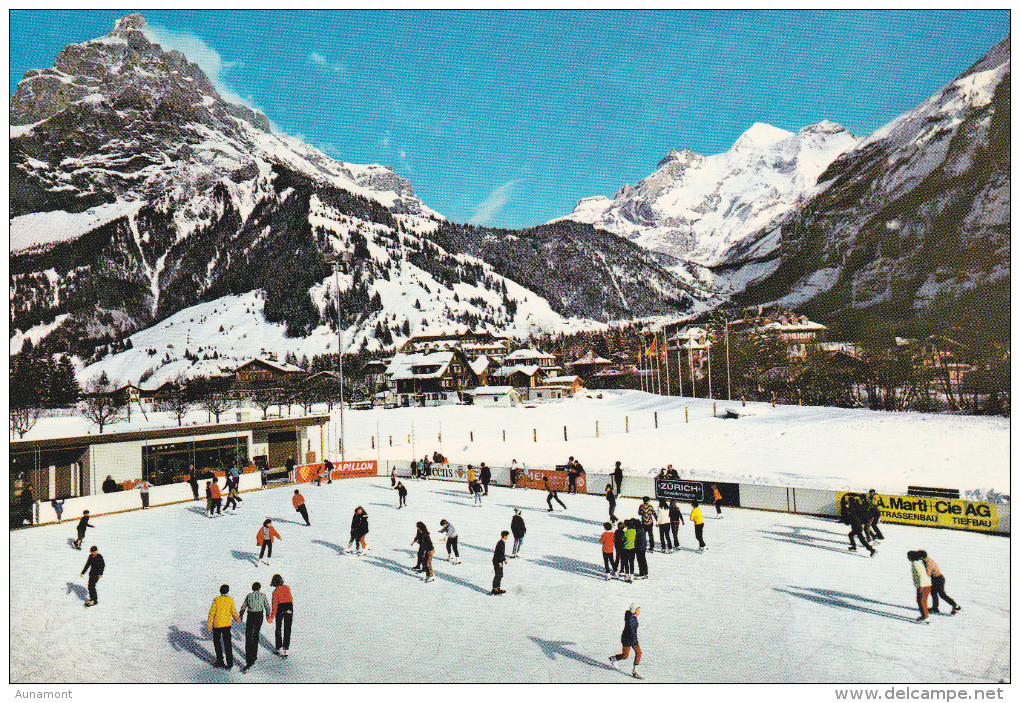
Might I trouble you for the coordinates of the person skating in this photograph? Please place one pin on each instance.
(717, 497)
(618, 478)
(452, 554)
(208, 498)
(611, 499)
(393, 478)
(647, 512)
(401, 495)
(426, 549)
(485, 476)
(290, 468)
(95, 565)
(193, 481)
(922, 582)
(662, 520)
(620, 544)
(419, 565)
(58, 507)
(518, 528)
(938, 584)
(476, 490)
(233, 497)
(328, 466)
(299, 505)
(283, 613)
(607, 540)
(629, 639)
(359, 528)
(858, 517)
(143, 488)
(571, 476)
(676, 518)
(699, 526)
(257, 606)
(551, 496)
(471, 479)
(82, 524)
(514, 470)
(221, 615)
(498, 562)
(630, 532)
(216, 497)
(264, 538)
(640, 547)
(874, 515)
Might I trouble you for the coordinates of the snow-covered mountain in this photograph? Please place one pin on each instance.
(913, 220)
(138, 191)
(696, 207)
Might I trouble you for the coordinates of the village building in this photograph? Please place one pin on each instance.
(263, 371)
(494, 396)
(588, 365)
(436, 378)
(555, 387)
(472, 344)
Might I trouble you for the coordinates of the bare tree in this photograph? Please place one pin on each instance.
(177, 399)
(217, 404)
(23, 419)
(100, 406)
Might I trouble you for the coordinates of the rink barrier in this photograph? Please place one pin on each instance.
(783, 499)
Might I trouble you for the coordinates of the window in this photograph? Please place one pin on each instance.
(162, 462)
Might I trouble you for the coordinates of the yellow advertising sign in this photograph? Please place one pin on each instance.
(937, 512)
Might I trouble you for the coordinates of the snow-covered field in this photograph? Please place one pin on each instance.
(786, 445)
(775, 598)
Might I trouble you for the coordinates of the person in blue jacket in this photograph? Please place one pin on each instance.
(629, 639)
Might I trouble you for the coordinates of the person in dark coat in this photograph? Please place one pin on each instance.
(359, 528)
(611, 499)
(618, 477)
(401, 495)
(95, 565)
(518, 528)
(328, 465)
(82, 524)
(109, 485)
(571, 476)
(640, 547)
(551, 495)
(628, 639)
(620, 545)
(426, 550)
(193, 481)
(498, 562)
(858, 514)
(290, 467)
(485, 475)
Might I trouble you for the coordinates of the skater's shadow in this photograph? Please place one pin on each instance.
(249, 557)
(798, 532)
(70, 541)
(564, 516)
(394, 566)
(337, 547)
(472, 546)
(383, 505)
(850, 601)
(183, 641)
(289, 522)
(551, 649)
(569, 565)
(460, 582)
(78, 590)
(198, 511)
(795, 536)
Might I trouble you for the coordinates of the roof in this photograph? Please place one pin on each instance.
(480, 364)
(522, 354)
(492, 390)
(527, 370)
(403, 366)
(589, 358)
(559, 380)
(795, 327)
(285, 368)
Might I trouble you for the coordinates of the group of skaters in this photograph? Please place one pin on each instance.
(633, 538)
(861, 513)
(929, 581)
(222, 615)
(423, 469)
(214, 494)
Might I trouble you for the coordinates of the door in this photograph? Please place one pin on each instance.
(281, 446)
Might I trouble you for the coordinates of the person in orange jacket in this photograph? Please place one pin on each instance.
(220, 613)
(214, 497)
(717, 497)
(283, 613)
(266, 534)
(299, 505)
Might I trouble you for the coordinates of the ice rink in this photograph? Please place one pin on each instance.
(775, 598)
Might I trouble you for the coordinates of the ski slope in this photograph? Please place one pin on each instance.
(775, 598)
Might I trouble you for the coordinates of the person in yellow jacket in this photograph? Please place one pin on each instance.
(699, 525)
(219, 622)
(471, 477)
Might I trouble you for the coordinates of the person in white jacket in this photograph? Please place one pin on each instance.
(922, 581)
(662, 520)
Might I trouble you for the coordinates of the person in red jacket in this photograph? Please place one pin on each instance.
(266, 534)
(607, 550)
(214, 497)
(299, 505)
(283, 613)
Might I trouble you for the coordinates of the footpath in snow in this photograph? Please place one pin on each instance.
(775, 598)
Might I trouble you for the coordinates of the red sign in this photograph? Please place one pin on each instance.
(533, 478)
(342, 469)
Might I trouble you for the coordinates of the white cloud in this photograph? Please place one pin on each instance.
(207, 58)
(494, 202)
(405, 162)
(384, 141)
(336, 67)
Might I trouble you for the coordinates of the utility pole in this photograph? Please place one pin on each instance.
(335, 261)
(727, 337)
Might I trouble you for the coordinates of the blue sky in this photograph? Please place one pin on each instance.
(508, 118)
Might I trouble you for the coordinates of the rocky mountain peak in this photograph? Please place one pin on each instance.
(683, 157)
(132, 21)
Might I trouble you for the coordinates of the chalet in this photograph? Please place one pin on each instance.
(482, 367)
(264, 370)
(434, 378)
(374, 374)
(472, 344)
(555, 387)
(531, 357)
(616, 376)
(588, 365)
(518, 375)
(495, 396)
(796, 332)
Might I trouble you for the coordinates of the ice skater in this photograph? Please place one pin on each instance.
(717, 497)
(662, 520)
(452, 554)
(476, 491)
(95, 565)
(257, 606)
(630, 534)
(359, 528)
(393, 478)
(58, 507)
(676, 518)
(858, 516)
(233, 497)
(611, 499)
(938, 584)
(699, 526)
(618, 478)
(629, 639)
(607, 540)
(193, 481)
(647, 512)
(264, 538)
(922, 582)
(498, 562)
(215, 497)
(283, 613)
(640, 547)
(143, 489)
(518, 528)
(551, 495)
(471, 479)
(401, 495)
(425, 550)
(874, 515)
(82, 524)
(221, 614)
(620, 544)
(485, 476)
(299, 505)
